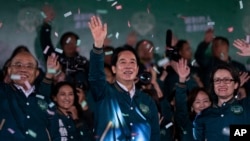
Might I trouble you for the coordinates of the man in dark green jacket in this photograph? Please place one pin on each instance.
(123, 112)
(26, 113)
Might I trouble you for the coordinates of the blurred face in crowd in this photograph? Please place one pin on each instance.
(109, 75)
(201, 102)
(64, 98)
(25, 66)
(70, 46)
(224, 84)
(186, 51)
(126, 67)
(145, 52)
(220, 50)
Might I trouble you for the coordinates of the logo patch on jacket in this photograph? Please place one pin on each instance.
(144, 108)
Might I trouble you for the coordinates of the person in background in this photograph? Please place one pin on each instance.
(73, 64)
(219, 54)
(72, 117)
(123, 112)
(213, 123)
(26, 113)
(188, 105)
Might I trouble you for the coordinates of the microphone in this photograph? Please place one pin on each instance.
(169, 38)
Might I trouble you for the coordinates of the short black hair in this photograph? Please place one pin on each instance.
(231, 69)
(123, 48)
(65, 36)
(221, 39)
(141, 42)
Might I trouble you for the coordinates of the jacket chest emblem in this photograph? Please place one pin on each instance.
(237, 109)
(144, 108)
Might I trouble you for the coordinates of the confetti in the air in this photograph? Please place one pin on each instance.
(40, 96)
(43, 15)
(118, 7)
(50, 112)
(248, 39)
(150, 50)
(51, 104)
(156, 70)
(241, 4)
(56, 34)
(110, 35)
(67, 14)
(15, 77)
(1, 24)
(117, 35)
(27, 84)
(68, 40)
(79, 11)
(110, 0)
(211, 23)
(52, 71)
(59, 50)
(32, 133)
(113, 4)
(129, 24)
(108, 52)
(2, 123)
(230, 29)
(169, 125)
(46, 50)
(78, 42)
(11, 130)
(102, 11)
(148, 10)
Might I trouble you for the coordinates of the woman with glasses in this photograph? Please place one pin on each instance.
(214, 122)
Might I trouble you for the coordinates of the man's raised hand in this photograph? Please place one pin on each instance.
(98, 30)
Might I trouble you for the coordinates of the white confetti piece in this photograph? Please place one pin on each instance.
(11, 130)
(2, 123)
(27, 84)
(32, 133)
(241, 4)
(43, 15)
(148, 10)
(248, 39)
(110, 35)
(129, 24)
(46, 50)
(114, 3)
(117, 35)
(56, 34)
(50, 112)
(150, 50)
(15, 77)
(168, 125)
(59, 50)
(156, 70)
(162, 62)
(108, 52)
(101, 11)
(67, 14)
(68, 40)
(79, 11)
(40, 96)
(78, 42)
(118, 7)
(52, 104)
(210, 23)
(51, 71)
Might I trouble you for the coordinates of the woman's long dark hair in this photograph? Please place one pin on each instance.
(56, 89)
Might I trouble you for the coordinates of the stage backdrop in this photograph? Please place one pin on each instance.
(188, 19)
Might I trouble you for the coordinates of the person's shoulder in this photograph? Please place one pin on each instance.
(239, 65)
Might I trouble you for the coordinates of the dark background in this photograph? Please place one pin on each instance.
(188, 19)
